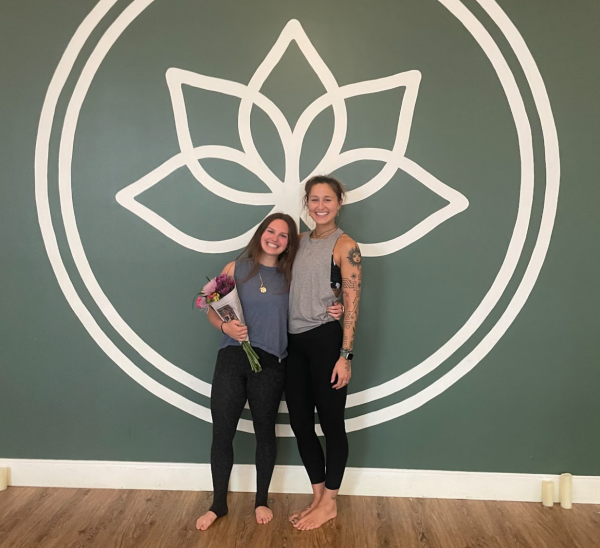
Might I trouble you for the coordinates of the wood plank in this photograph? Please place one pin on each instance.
(102, 518)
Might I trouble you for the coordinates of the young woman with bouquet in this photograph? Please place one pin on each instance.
(262, 276)
(320, 350)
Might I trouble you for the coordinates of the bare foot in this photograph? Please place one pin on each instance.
(299, 514)
(263, 514)
(318, 490)
(205, 521)
(320, 514)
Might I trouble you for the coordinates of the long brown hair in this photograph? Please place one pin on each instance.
(253, 251)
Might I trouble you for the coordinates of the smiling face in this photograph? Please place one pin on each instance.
(275, 238)
(323, 204)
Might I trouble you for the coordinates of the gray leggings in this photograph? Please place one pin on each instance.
(234, 383)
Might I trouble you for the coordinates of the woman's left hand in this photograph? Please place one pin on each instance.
(343, 372)
(336, 310)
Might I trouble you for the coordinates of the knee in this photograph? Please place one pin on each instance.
(303, 430)
(264, 431)
(334, 430)
(222, 437)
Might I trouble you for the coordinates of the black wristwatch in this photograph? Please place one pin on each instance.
(344, 353)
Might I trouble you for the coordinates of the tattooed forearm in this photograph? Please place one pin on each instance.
(351, 294)
(348, 340)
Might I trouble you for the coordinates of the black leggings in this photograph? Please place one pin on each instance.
(311, 358)
(234, 382)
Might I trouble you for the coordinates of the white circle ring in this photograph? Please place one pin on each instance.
(504, 73)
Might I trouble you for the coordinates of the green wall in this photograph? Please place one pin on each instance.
(469, 204)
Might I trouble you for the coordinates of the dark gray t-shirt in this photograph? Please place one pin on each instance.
(265, 313)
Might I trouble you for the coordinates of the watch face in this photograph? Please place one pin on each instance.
(350, 356)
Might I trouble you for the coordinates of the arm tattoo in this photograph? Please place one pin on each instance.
(348, 284)
(351, 282)
(351, 291)
(354, 257)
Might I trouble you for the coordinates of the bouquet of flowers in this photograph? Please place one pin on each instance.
(221, 295)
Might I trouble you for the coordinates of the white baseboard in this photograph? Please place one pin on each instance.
(293, 479)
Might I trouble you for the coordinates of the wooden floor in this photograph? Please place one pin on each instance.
(64, 518)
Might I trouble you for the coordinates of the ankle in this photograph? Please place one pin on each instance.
(219, 511)
(318, 491)
(329, 502)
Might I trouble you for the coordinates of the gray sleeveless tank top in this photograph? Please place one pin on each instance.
(311, 293)
(265, 313)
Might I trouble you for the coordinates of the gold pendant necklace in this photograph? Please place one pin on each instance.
(262, 287)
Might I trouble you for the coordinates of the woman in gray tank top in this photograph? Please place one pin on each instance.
(262, 277)
(319, 349)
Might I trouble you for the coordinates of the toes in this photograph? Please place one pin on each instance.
(263, 516)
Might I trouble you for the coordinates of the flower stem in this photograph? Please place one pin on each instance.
(252, 356)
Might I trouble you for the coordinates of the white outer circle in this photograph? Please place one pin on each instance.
(369, 419)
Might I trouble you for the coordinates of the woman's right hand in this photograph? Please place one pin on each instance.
(236, 330)
(336, 310)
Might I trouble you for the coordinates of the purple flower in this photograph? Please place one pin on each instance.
(224, 284)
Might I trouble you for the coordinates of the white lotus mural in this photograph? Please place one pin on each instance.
(285, 195)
